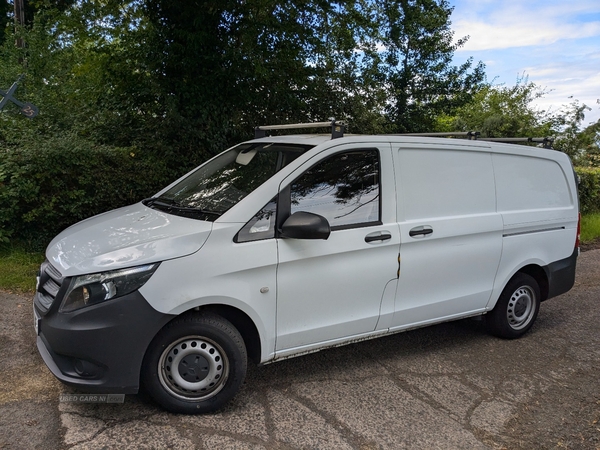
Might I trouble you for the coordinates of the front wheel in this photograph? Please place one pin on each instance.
(196, 364)
(516, 309)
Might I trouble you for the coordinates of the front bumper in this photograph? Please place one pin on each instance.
(100, 348)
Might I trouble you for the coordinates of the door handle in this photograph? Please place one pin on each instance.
(421, 231)
(378, 236)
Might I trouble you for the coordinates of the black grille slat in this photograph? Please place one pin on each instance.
(44, 301)
(50, 282)
(54, 273)
(51, 287)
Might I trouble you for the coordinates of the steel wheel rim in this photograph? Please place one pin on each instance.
(193, 368)
(521, 307)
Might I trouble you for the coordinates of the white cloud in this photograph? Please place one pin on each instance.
(565, 86)
(486, 36)
(556, 44)
(514, 23)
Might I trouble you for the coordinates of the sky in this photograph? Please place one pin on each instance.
(555, 43)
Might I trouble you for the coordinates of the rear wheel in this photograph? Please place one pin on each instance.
(196, 364)
(516, 309)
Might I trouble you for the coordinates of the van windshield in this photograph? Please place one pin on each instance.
(220, 184)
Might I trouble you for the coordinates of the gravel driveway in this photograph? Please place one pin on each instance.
(449, 386)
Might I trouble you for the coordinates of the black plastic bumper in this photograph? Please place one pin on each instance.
(561, 275)
(100, 349)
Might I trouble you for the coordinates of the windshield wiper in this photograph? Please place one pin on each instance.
(170, 205)
(148, 201)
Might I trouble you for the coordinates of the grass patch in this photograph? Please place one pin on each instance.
(18, 268)
(590, 227)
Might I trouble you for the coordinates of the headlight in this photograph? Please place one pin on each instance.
(87, 290)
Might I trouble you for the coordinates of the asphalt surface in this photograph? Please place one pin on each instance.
(450, 386)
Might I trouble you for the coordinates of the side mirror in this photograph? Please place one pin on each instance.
(305, 225)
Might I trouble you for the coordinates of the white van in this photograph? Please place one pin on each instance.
(286, 245)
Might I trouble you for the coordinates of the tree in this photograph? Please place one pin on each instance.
(170, 84)
(234, 65)
(186, 79)
(590, 142)
(417, 62)
(509, 111)
(583, 146)
(246, 63)
(503, 111)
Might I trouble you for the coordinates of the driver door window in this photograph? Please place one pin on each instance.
(343, 188)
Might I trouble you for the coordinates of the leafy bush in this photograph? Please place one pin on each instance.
(589, 189)
(50, 184)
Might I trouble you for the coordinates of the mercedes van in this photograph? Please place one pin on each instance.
(285, 245)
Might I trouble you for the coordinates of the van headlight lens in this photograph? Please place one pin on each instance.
(87, 290)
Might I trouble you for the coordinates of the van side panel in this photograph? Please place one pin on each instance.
(450, 271)
(538, 201)
(530, 184)
(445, 183)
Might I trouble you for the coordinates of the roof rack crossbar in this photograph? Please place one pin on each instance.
(337, 128)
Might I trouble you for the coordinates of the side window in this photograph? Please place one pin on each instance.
(343, 188)
(261, 226)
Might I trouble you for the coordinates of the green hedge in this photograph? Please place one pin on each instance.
(589, 189)
(48, 186)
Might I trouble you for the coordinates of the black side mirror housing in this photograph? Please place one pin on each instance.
(305, 225)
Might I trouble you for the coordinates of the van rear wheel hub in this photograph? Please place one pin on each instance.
(521, 307)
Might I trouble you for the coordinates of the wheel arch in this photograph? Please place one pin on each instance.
(539, 275)
(538, 272)
(240, 320)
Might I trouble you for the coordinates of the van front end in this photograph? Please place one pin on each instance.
(93, 331)
(93, 325)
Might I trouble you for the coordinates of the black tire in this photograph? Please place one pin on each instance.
(195, 364)
(516, 309)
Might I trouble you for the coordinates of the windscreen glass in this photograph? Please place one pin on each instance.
(220, 184)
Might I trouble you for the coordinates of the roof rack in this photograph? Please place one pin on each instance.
(337, 128)
(546, 141)
(475, 135)
(468, 134)
(337, 131)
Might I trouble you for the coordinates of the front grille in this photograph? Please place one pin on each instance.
(50, 282)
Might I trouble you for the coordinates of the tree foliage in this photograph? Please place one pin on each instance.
(582, 145)
(509, 111)
(134, 93)
(417, 62)
(177, 82)
(187, 78)
(502, 111)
